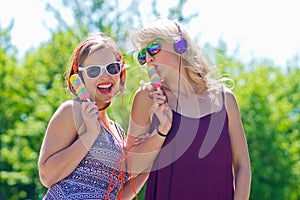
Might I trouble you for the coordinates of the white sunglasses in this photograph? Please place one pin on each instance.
(94, 71)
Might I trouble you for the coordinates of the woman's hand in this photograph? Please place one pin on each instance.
(141, 138)
(162, 110)
(90, 117)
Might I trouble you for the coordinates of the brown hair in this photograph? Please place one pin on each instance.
(86, 47)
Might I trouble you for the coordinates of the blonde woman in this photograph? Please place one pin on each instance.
(204, 155)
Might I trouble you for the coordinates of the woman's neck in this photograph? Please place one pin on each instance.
(182, 85)
(103, 106)
(103, 115)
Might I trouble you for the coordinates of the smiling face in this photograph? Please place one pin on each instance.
(104, 87)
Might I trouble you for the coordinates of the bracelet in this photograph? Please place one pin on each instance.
(159, 133)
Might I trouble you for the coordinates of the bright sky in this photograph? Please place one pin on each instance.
(262, 28)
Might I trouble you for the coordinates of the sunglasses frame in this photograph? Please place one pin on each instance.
(147, 49)
(101, 67)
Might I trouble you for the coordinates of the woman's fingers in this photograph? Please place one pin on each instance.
(164, 115)
(140, 139)
(90, 116)
(158, 96)
(89, 108)
(167, 109)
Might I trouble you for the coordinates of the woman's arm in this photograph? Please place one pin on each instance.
(135, 183)
(141, 156)
(241, 160)
(62, 149)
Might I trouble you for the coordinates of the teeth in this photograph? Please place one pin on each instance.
(104, 86)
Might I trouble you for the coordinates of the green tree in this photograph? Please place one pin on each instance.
(268, 99)
(34, 88)
(9, 109)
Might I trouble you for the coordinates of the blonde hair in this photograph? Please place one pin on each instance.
(90, 44)
(195, 59)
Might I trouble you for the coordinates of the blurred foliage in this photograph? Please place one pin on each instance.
(268, 97)
(33, 89)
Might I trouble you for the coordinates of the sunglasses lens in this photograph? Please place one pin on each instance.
(93, 71)
(142, 57)
(113, 68)
(153, 48)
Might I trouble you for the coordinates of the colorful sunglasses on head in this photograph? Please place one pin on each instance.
(152, 48)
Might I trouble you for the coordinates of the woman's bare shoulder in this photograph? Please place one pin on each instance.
(143, 95)
(65, 112)
(141, 106)
(230, 101)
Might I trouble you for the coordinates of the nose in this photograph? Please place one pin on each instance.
(149, 58)
(104, 73)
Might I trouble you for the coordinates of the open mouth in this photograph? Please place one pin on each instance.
(105, 88)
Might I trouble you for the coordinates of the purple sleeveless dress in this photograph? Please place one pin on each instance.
(195, 161)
